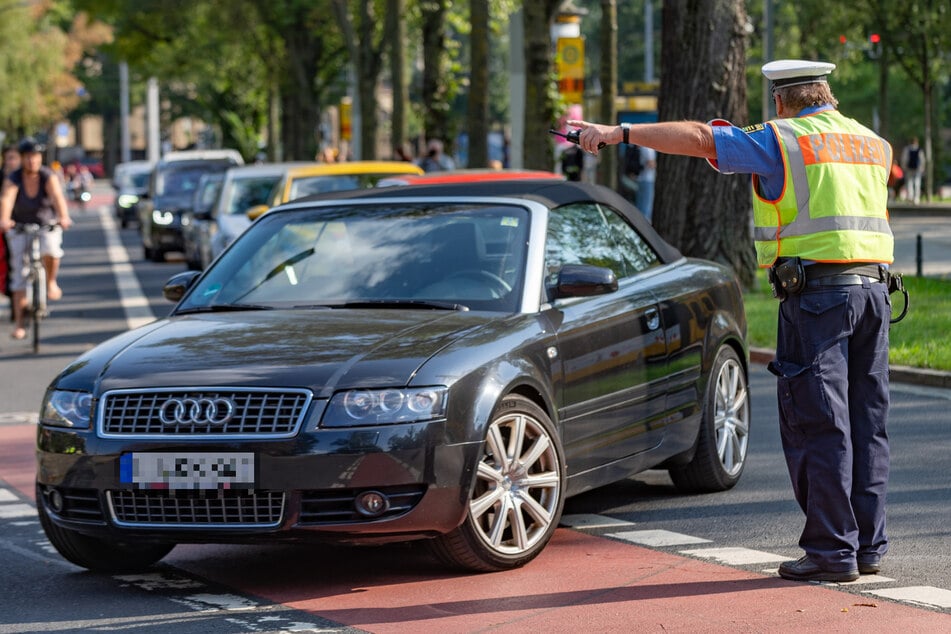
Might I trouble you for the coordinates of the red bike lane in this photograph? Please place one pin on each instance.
(581, 583)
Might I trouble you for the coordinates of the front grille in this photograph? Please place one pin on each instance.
(336, 506)
(256, 413)
(224, 508)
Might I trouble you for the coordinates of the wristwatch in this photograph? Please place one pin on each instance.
(626, 129)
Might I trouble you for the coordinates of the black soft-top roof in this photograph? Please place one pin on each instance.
(551, 193)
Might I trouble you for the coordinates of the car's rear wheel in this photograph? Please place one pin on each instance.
(724, 429)
(518, 495)
(99, 555)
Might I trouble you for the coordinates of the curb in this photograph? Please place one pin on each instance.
(896, 373)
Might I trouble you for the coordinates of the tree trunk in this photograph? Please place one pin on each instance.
(539, 83)
(396, 36)
(435, 108)
(478, 112)
(607, 168)
(703, 213)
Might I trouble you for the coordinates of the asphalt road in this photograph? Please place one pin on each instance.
(634, 556)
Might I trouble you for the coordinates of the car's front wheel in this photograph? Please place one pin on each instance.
(518, 495)
(724, 430)
(96, 554)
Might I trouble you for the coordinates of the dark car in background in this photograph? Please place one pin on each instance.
(438, 362)
(131, 183)
(195, 220)
(172, 193)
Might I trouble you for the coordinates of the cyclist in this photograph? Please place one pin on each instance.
(32, 194)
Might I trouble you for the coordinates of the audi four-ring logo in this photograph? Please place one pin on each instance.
(196, 411)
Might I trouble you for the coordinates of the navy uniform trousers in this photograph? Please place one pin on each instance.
(832, 368)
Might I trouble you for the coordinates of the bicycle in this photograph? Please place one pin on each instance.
(36, 280)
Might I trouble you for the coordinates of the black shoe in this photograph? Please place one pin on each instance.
(804, 569)
(870, 566)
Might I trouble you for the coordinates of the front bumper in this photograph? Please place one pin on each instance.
(307, 486)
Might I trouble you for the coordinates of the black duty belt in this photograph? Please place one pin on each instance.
(821, 274)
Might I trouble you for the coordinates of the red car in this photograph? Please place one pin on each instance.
(467, 176)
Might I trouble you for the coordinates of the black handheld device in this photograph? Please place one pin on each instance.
(573, 136)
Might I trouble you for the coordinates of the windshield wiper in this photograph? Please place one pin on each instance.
(391, 303)
(222, 308)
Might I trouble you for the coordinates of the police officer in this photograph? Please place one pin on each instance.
(819, 182)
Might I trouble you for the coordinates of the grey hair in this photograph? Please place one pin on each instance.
(806, 95)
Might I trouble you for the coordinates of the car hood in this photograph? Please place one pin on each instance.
(324, 350)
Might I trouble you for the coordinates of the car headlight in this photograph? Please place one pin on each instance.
(127, 200)
(62, 408)
(387, 406)
(160, 217)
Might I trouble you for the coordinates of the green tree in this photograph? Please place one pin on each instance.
(704, 213)
(478, 111)
(540, 86)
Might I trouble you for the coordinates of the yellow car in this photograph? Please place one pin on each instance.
(322, 178)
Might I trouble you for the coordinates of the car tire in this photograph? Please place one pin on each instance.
(515, 504)
(157, 255)
(99, 555)
(723, 438)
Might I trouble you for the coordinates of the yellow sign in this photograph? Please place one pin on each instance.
(570, 56)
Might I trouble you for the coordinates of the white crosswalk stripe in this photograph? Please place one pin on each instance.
(926, 596)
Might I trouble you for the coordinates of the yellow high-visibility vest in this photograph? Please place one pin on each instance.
(833, 205)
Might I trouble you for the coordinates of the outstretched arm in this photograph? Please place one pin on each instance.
(687, 138)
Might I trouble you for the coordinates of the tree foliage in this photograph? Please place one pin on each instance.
(43, 45)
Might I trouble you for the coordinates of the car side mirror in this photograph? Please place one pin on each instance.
(254, 212)
(176, 286)
(585, 280)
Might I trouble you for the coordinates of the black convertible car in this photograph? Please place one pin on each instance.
(438, 361)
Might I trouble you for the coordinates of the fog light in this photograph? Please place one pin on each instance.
(372, 504)
(56, 500)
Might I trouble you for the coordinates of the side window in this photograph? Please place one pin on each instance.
(633, 249)
(579, 234)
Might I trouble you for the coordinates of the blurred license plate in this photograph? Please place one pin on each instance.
(156, 470)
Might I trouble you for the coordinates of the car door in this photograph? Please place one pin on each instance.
(611, 347)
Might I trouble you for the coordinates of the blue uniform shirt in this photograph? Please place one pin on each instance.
(754, 150)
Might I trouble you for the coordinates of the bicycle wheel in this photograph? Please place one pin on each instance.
(38, 306)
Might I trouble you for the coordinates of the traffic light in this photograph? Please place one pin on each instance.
(875, 38)
(843, 40)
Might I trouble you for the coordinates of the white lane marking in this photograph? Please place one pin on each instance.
(13, 511)
(133, 300)
(921, 595)
(658, 538)
(214, 602)
(733, 556)
(591, 520)
(8, 496)
(19, 418)
(158, 581)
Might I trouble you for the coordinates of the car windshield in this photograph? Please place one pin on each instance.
(178, 181)
(462, 256)
(249, 191)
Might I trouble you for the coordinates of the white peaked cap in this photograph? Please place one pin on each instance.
(793, 72)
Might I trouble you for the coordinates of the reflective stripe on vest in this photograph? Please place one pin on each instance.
(833, 204)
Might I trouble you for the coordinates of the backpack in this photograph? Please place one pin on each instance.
(913, 158)
(632, 161)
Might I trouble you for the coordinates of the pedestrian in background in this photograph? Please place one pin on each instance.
(913, 162)
(11, 162)
(645, 181)
(436, 160)
(821, 226)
